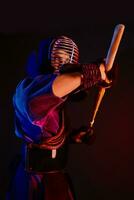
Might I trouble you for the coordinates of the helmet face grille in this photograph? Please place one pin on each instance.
(68, 46)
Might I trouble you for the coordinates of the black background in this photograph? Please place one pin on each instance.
(103, 170)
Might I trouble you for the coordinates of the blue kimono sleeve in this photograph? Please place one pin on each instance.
(28, 117)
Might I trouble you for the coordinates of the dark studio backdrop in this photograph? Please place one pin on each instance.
(105, 169)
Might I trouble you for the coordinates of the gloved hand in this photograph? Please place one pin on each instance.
(83, 135)
(113, 73)
(109, 77)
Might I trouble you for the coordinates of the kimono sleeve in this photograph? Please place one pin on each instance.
(33, 101)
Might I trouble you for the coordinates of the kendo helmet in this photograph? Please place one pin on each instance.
(43, 59)
(63, 50)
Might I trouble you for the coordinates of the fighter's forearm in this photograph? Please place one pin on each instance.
(67, 82)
